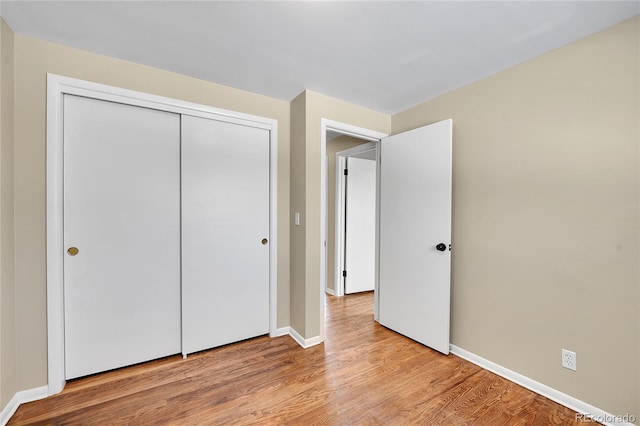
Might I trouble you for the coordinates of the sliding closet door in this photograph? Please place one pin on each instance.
(121, 235)
(225, 233)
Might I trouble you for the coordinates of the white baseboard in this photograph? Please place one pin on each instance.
(589, 411)
(22, 397)
(282, 331)
(305, 343)
(330, 291)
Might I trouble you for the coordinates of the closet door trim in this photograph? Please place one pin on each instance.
(57, 87)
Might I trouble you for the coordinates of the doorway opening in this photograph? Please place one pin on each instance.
(354, 213)
(339, 142)
(414, 192)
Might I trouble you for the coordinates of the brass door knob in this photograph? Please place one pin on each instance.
(72, 251)
(264, 241)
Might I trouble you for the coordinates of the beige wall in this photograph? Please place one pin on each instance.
(7, 282)
(314, 107)
(298, 234)
(33, 59)
(546, 216)
(334, 145)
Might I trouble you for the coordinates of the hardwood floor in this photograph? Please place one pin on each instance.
(364, 374)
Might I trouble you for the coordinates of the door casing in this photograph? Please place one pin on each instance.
(57, 86)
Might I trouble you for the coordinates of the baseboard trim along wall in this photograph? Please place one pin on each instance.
(589, 411)
(282, 331)
(330, 291)
(305, 343)
(22, 397)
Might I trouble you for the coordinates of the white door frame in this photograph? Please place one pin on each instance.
(341, 164)
(57, 86)
(356, 132)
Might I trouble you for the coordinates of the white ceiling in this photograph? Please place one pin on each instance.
(386, 56)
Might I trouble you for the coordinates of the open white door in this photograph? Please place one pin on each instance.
(415, 234)
(360, 232)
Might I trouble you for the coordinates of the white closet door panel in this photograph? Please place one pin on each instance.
(360, 241)
(122, 211)
(225, 217)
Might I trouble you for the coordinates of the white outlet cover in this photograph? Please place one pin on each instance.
(569, 359)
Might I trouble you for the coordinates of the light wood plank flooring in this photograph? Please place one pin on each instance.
(364, 374)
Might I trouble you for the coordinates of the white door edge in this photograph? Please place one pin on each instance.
(356, 132)
(57, 86)
(338, 282)
(324, 217)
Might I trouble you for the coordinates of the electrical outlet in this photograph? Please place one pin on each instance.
(569, 359)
